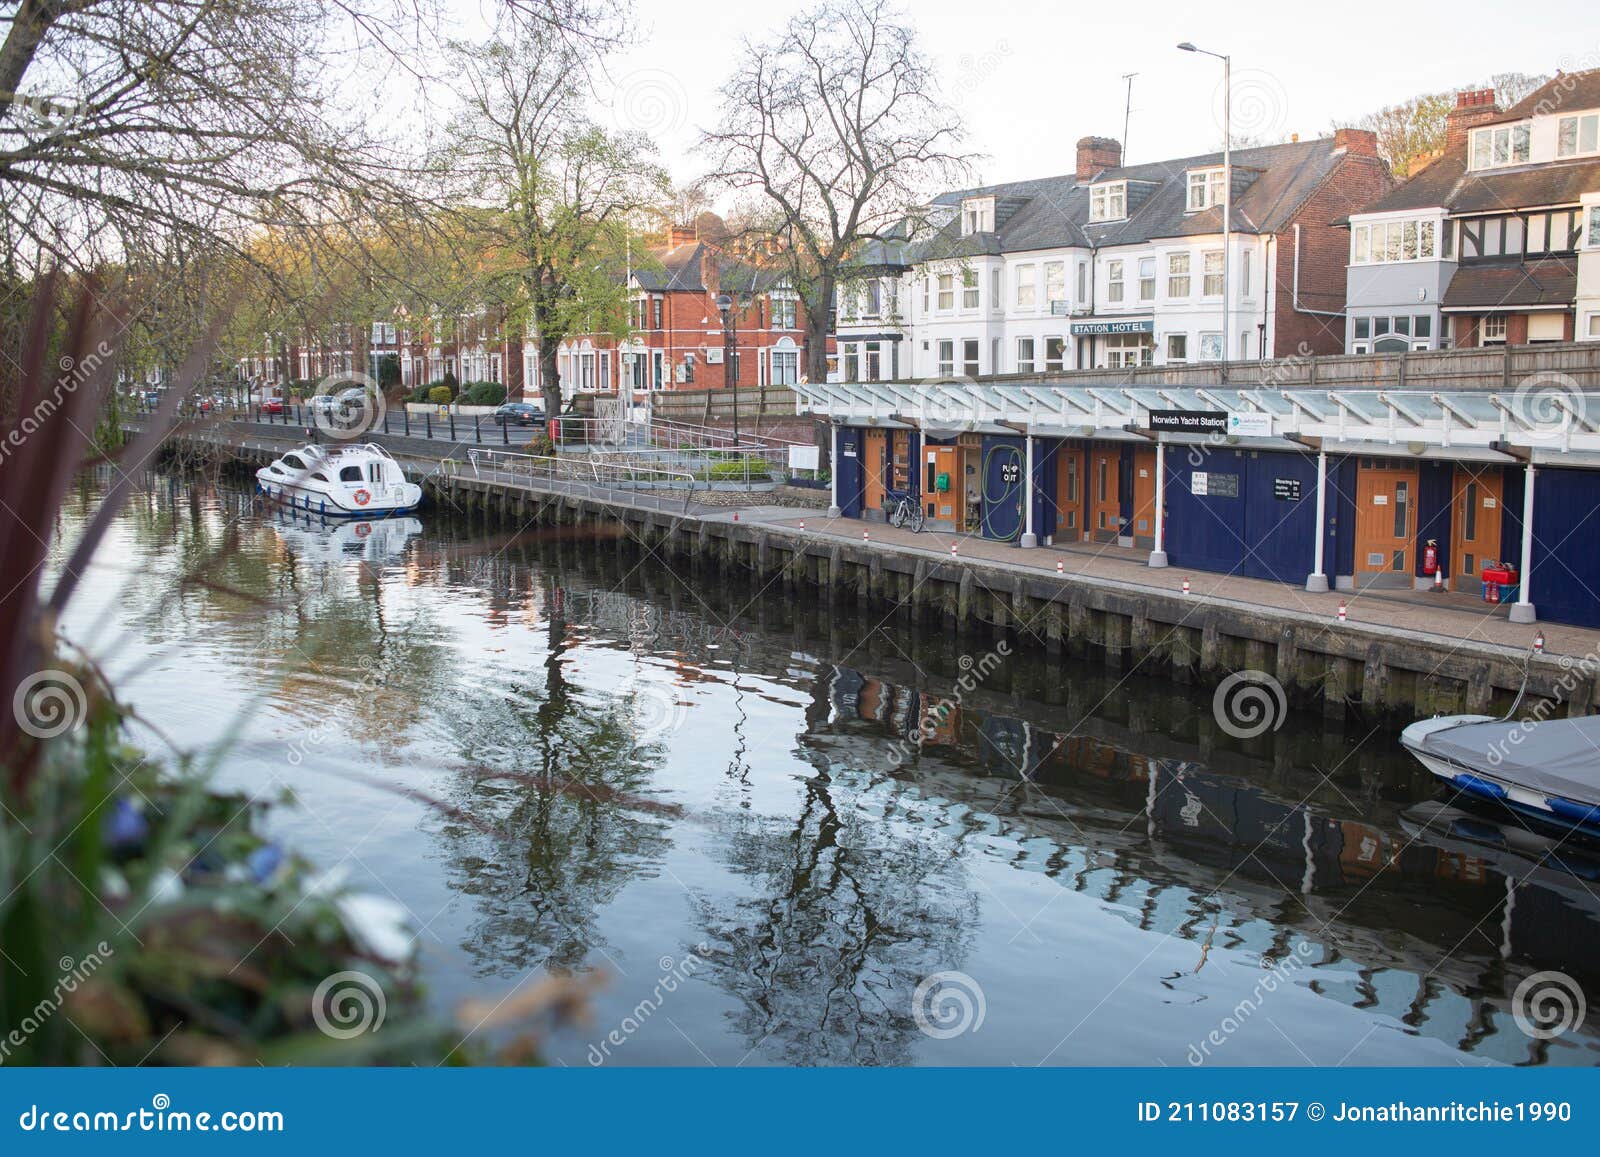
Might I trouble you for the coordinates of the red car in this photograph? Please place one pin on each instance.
(272, 406)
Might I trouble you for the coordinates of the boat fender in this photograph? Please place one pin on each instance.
(1482, 788)
(1572, 811)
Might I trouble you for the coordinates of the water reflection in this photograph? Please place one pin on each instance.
(632, 759)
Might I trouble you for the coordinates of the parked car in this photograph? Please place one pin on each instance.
(272, 406)
(522, 413)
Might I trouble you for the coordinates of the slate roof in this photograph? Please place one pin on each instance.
(685, 269)
(1271, 183)
(1496, 285)
(1447, 183)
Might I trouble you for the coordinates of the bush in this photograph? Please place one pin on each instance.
(737, 471)
(483, 394)
(541, 445)
(440, 395)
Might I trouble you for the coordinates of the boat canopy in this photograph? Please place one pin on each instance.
(1559, 757)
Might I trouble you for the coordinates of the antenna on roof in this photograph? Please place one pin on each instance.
(1127, 113)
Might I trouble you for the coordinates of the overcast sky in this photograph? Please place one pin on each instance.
(1031, 77)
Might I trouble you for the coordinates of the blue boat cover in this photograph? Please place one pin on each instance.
(1559, 757)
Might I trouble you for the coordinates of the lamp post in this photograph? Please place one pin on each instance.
(1227, 188)
(730, 356)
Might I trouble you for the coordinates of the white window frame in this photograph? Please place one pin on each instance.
(1580, 123)
(1499, 146)
(1055, 282)
(977, 215)
(947, 293)
(1025, 358)
(1147, 278)
(971, 298)
(1180, 358)
(1592, 226)
(1492, 330)
(947, 357)
(1108, 202)
(1211, 269)
(1115, 285)
(1027, 291)
(1205, 189)
(1178, 283)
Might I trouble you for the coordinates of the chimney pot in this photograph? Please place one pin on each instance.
(1473, 107)
(1096, 155)
(1356, 142)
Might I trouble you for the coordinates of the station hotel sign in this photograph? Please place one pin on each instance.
(1100, 327)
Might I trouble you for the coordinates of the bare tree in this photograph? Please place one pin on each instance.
(1412, 133)
(556, 193)
(837, 124)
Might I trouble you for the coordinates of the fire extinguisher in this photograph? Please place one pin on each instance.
(1430, 557)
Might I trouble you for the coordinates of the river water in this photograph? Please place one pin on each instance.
(789, 834)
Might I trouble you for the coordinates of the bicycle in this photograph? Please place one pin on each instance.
(906, 511)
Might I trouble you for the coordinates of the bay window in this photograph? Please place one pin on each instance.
(1211, 281)
(969, 289)
(1026, 295)
(1147, 279)
(1114, 281)
(1055, 282)
(947, 292)
(1177, 275)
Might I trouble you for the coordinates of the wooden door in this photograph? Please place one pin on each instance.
(943, 505)
(1479, 496)
(876, 450)
(1144, 498)
(1069, 495)
(1386, 523)
(901, 467)
(1105, 496)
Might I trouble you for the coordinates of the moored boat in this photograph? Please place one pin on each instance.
(355, 481)
(1545, 771)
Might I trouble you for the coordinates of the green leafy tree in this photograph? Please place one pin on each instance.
(563, 190)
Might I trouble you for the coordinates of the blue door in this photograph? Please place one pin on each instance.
(847, 467)
(1003, 488)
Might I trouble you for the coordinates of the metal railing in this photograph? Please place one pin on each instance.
(587, 472)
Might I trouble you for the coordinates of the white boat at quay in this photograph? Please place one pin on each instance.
(355, 481)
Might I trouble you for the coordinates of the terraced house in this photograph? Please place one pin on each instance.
(1117, 265)
(1496, 241)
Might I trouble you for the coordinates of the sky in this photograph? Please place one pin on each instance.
(1030, 78)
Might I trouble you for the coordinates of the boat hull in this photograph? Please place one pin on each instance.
(334, 505)
(1485, 787)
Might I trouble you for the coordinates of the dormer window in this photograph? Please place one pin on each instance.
(1500, 145)
(1108, 202)
(1578, 135)
(1205, 189)
(977, 215)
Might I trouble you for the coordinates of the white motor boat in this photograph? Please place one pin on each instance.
(355, 481)
(327, 540)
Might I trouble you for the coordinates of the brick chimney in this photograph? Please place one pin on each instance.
(1472, 108)
(1356, 142)
(681, 235)
(1096, 155)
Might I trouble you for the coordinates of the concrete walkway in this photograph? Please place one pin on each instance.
(1450, 617)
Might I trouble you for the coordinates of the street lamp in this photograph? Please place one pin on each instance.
(730, 356)
(1227, 187)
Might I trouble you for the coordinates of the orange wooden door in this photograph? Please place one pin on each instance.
(1069, 495)
(1144, 497)
(875, 451)
(1475, 524)
(1105, 498)
(940, 465)
(1386, 520)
